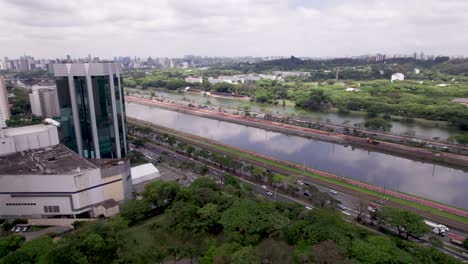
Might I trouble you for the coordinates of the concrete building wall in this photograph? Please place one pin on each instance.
(44, 101)
(29, 137)
(26, 195)
(35, 104)
(4, 106)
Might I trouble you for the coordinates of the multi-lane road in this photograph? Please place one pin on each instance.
(350, 202)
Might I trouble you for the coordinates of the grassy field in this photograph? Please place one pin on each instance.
(415, 205)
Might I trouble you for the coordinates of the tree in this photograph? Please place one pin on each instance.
(462, 139)
(161, 193)
(360, 209)
(10, 243)
(314, 99)
(209, 216)
(327, 252)
(246, 221)
(190, 149)
(134, 210)
(465, 243)
(245, 255)
(405, 222)
(273, 251)
(378, 123)
(32, 251)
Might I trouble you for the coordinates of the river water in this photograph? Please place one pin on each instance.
(420, 130)
(439, 183)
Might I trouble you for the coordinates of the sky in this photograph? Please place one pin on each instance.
(173, 28)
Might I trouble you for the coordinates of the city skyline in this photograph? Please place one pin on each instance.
(233, 28)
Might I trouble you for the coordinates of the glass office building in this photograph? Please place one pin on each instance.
(92, 109)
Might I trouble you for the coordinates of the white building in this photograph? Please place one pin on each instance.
(13, 140)
(4, 106)
(286, 74)
(191, 79)
(226, 79)
(350, 89)
(397, 77)
(144, 173)
(44, 100)
(56, 182)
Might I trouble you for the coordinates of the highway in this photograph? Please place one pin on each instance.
(350, 202)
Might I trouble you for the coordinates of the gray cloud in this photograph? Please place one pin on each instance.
(232, 27)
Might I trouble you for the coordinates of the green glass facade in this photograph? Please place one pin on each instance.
(96, 120)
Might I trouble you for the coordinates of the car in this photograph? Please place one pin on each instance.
(300, 182)
(341, 207)
(307, 184)
(308, 208)
(24, 229)
(18, 229)
(264, 187)
(333, 192)
(13, 229)
(269, 193)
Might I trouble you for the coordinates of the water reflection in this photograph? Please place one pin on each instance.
(439, 183)
(420, 130)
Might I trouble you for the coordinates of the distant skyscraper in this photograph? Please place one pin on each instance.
(4, 106)
(92, 109)
(44, 100)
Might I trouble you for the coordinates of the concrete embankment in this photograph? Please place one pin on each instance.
(421, 154)
(288, 168)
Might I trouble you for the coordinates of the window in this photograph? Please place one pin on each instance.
(51, 209)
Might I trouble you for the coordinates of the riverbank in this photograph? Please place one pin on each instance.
(330, 136)
(420, 128)
(455, 218)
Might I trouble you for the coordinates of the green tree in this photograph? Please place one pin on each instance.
(33, 251)
(245, 255)
(10, 243)
(134, 210)
(378, 123)
(274, 251)
(161, 193)
(462, 139)
(314, 99)
(246, 221)
(406, 222)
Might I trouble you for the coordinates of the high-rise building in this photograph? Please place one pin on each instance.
(92, 109)
(4, 106)
(44, 100)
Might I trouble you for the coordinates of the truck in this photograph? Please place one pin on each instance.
(437, 229)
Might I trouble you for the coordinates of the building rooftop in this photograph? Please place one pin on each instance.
(143, 170)
(55, 160)
(16, 131)
(460, 100)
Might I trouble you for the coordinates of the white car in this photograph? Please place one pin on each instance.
(269, 193)
(308, 208)
(341, 207)
(18, 229)
(333, 192)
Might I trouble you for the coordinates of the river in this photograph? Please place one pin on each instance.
(422, 130)
(439, 183)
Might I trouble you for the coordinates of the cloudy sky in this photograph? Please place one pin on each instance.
(107, 28)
